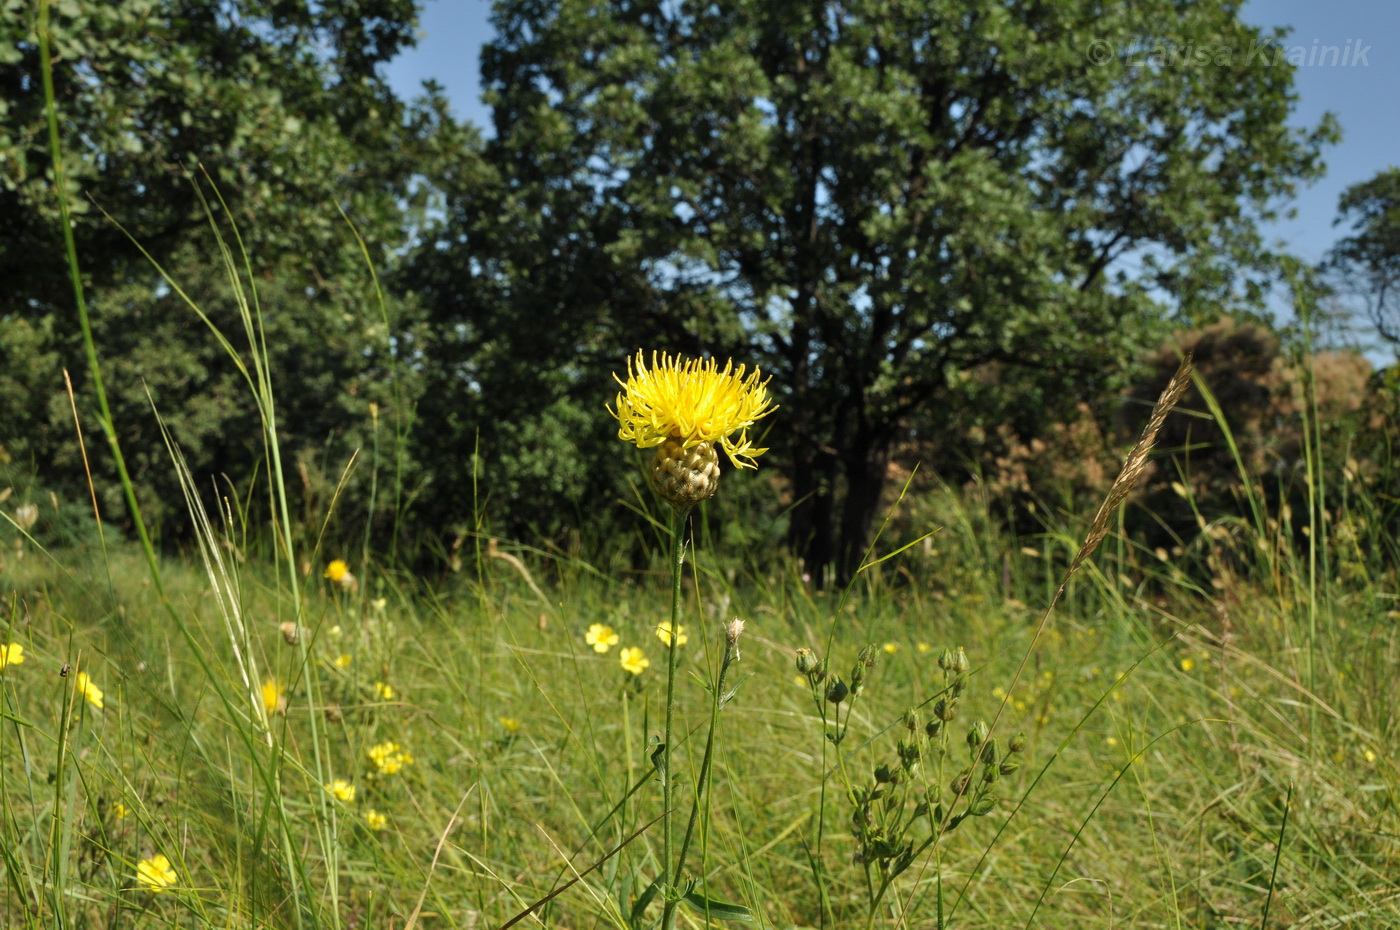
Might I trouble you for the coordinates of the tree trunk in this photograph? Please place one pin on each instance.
(810, 528)
(865, 466)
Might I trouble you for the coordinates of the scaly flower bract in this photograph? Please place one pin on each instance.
(90, 692)
(13, 654)
(155, 874)
(693, 401)
(663, 633)
(633, 660)
(601, 637)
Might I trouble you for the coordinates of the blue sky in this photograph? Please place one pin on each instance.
(1360, 88)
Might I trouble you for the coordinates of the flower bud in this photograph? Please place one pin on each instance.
(684, 477)
(948, 661)
(976, 734)
(837, 691)
(806, 662)
(1018, 743)
(960, 663)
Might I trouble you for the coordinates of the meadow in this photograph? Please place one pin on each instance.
(311, 743)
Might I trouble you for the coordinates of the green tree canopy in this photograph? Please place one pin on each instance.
(283, 106)
(868, 199)
(1367, 262)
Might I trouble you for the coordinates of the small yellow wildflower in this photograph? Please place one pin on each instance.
(383, 692)
(337, 570)
(388, 758)
(510, 724)
(1187, 664)
(1370, 756)
(155, 874)
(891, 648)
(342, 789)
(335, 632)
(13, 654)
(663, 633)
(375, 820)
(633, 660)
(271, 696)
(90, 692)
(924, 647)
(379, 603)
(120, 811)
(601, 637)
(691, 401)
(343, 660)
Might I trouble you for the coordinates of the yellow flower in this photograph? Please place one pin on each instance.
(633, 660)
(388, 758)
(90, 692)
(924, 647)
(511, 724)
(1187, 665)
(375, 820)
(337, 570)
(155, 874)
(691, 401)
(601, 637)
(13, 654)
(343, 660)
(271, 696)
(663, 633)
(383, 692)
(379, 603)
(335, 632)
(891, 648)
(343, 790)
(120, 811)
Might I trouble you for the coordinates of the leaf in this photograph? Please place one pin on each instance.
(643, 901)
(718, 910)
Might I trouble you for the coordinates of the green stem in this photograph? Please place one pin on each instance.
(669, 877)
(731, 651)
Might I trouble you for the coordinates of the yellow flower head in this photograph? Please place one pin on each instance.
(375, 820)
(13, 654)
(90, 692)
(692, 401)
(271, 696)
(343, 660)
(342, 789)
(601, 637)
(510, 724)
(155, 874)
(633, 660)
(891, 648)
(663, 633)
(1187, 664)
(120, 811)
(337, 570)
(383, 691)
(388, 758)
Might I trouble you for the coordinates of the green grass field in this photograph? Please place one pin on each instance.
(1193, 757)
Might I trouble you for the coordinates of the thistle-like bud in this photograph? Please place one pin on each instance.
(1018, 743)
(291, 633)
(911, 720)
(947, 661)
(684, 477)
(976, 734)
(883, 774)
(960, 663)
(837, 691)
(868, 654)
(944, 710)
(806, 661)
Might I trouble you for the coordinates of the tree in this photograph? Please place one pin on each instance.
(869, 198)
(1368, 261)
(282, 106)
